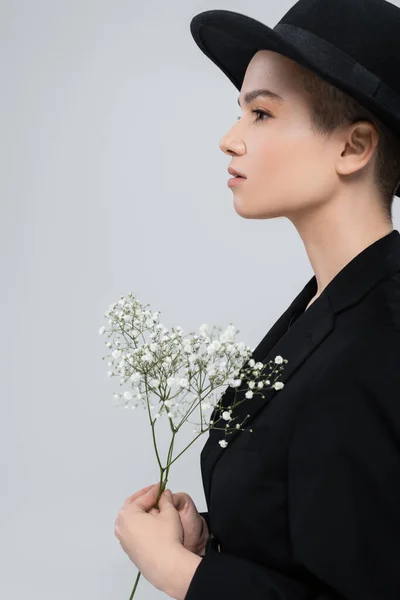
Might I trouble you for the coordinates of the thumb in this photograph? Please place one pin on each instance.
(147, 500)
(166, 501)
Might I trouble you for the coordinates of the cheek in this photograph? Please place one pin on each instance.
(296, 162)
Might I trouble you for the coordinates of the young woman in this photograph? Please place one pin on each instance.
(308, 505)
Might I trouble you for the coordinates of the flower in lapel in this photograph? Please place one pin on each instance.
(255, 378)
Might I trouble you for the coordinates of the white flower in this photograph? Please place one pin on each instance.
(278, 360)
(229, 334)
(278, 385)
(214, 346)
(236, 383)
(146, 349)
(223, 443)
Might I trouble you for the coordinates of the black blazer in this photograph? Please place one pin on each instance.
(308, 505)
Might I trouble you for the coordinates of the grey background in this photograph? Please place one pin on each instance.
(112, 181)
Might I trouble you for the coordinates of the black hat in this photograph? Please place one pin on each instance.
(353, 44)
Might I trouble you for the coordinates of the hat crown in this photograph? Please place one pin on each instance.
(366, 30)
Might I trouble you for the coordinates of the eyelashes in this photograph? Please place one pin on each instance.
(260, 114)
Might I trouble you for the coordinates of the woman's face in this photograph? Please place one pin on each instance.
(289, 168)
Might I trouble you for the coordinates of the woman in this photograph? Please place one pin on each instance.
(308, 505)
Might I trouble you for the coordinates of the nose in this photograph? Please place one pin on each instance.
(230, 144)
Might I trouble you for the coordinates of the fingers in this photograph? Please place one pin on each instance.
(137, 495)
(178, 500)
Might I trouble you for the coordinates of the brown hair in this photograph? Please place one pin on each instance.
(332, 107)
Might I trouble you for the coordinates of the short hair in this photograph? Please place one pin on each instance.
(331, 108)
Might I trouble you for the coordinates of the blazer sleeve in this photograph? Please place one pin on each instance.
(344, 481)
(221, 576)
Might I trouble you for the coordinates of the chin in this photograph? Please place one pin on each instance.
(248, 212)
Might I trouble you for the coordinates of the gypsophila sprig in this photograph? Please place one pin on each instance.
(182, 373)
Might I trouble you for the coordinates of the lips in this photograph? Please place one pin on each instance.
(236, 173)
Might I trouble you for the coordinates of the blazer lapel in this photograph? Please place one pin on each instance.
(294, 345)
(374, 263)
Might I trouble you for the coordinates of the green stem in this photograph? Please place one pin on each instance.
(163, 485)
(135, 586)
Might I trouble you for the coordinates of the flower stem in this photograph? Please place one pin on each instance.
(163, 485)
(135, 586)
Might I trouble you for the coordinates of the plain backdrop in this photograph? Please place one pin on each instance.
(112, 181)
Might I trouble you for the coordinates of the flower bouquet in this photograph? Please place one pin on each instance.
(182, 373)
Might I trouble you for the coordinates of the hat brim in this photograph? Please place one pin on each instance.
(230, 40)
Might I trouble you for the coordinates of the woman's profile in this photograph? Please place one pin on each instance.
(308, 505)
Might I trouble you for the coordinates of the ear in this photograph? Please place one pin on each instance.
(358, 143)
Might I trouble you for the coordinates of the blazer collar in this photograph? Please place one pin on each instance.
(376, 262)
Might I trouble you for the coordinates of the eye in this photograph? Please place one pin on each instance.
(260, 114)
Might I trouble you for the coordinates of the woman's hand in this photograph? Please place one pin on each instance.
(152, 539)
(195, 530)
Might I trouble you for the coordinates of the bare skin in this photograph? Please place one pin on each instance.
(194, 526)
(323, 185)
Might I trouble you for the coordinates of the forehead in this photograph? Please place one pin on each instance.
(268, 69)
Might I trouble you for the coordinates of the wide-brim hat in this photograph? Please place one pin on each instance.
(353, 44)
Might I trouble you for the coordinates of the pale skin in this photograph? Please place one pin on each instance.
(153, 540)
(324, 186)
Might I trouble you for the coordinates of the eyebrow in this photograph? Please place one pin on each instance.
(249, 96)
